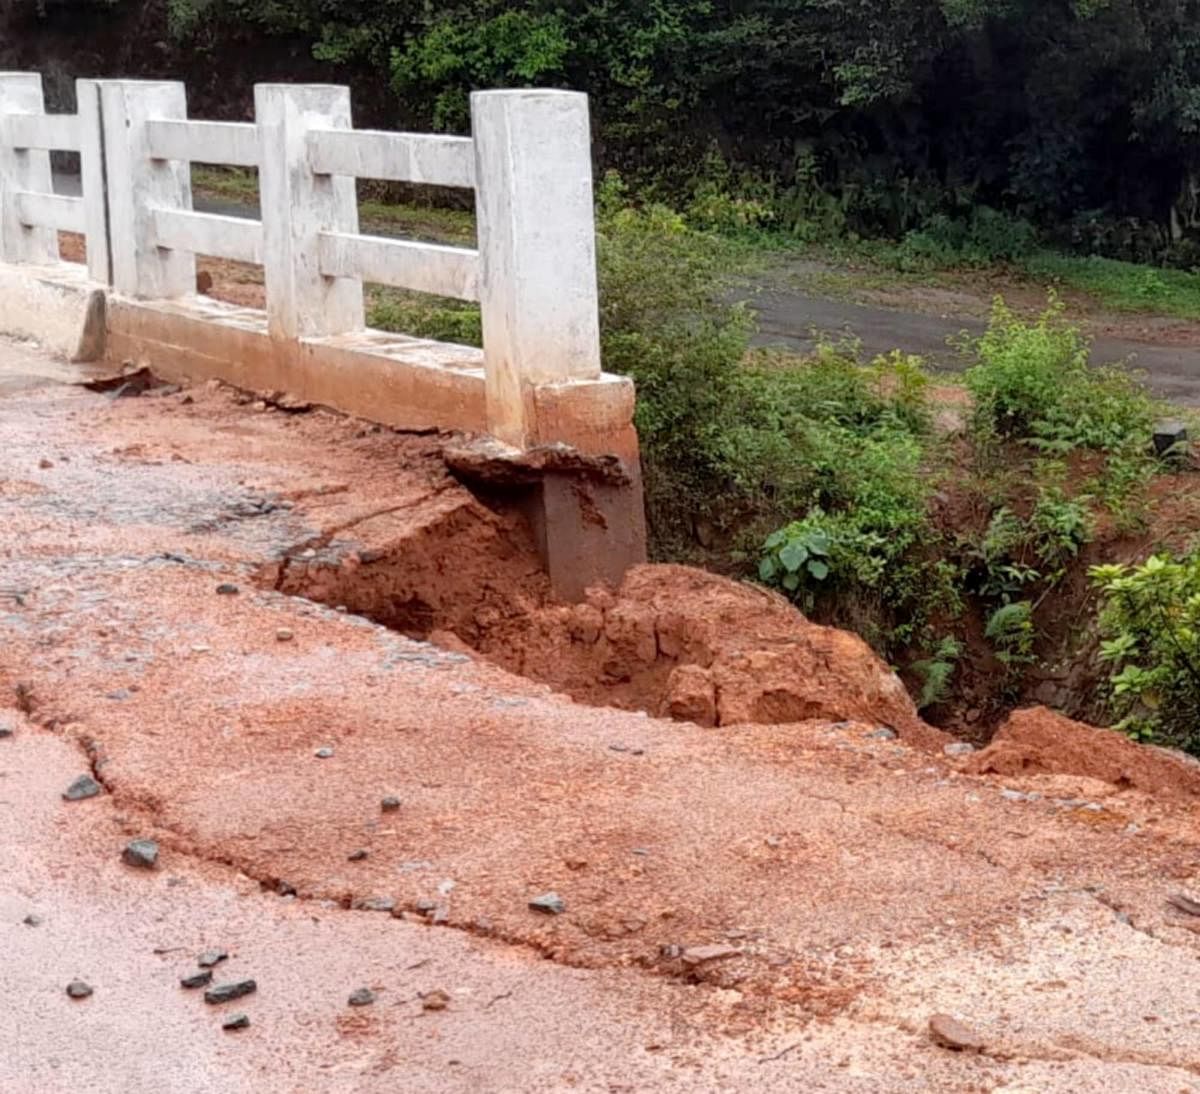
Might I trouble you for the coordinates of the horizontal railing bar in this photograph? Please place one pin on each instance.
(209, 234)
(234, 143)
(422, 267)
(63, 214)
(51, 132)
(398, 157)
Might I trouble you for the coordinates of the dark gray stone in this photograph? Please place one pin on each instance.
(1169, 433)
(236, 1021)
(389, 804)
(32, 920)
(548, 904)
(356, 856)
(209, 958)
(227, 588)
(78, 989)
(363, 997)
(83, 787)
(197, 979)
(225, 993)
(142, 853)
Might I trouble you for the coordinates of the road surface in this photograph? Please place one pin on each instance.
(766, 907)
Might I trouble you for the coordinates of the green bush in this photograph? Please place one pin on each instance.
(985, 237)
(1150, 617)
(1033, 383)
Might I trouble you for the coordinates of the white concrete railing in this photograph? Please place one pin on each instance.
(31, 213)
(528, 161)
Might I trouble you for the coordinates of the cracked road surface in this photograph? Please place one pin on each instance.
(840, 888)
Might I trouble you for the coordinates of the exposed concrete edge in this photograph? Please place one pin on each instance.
(57, 306)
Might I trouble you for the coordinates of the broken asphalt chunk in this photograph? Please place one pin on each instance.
(548, 904)
(142, 853)
(236, 1021)
(83, 787)
(209, 958)
(197, 979)
(226, 993)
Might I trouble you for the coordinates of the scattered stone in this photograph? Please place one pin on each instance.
(1170, 435)
(197, 980)
(227, 588)
(548, 904)
(32, 920)
(773, 842)
(440, 915)
(83, 787)
(363, 997)
(284, 634)
(883, 733)
(45, 464)
(5, 730)
(435, 1000)
(211, 958)
(426, 907)
(323, 753)
(236, 1021)
(375, 904)
(390, 804)
(357, 856)
(1013, 795)
(225, 993)
(284, 888)
(951, 1033)
(1184, 903)
(670, 951)
(78, 989)
(142, 853)
(959, 748)
(700, 955)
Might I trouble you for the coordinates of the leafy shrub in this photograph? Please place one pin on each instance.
(1150, 616)
(1033, 383)
(936, 671)
(985, 237)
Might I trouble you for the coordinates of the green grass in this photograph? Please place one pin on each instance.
(1120, 286)
(428, 223)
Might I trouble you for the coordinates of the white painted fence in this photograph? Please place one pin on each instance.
(30, 212)
(528, 162)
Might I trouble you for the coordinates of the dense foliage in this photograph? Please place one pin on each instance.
(879, 116)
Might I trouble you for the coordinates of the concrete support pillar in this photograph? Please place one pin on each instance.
(297, 205)
(23, 169)
(137, 185)
(536, 225)
(91, 171)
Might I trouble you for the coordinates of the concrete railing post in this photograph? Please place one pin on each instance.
(536, 225)
(297, 205)
(91, 175)
(23, 169)
(137, 185)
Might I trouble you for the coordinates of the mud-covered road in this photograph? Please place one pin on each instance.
(759, 906)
